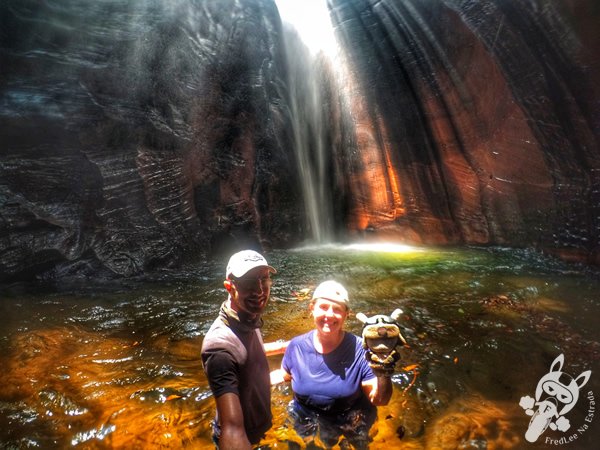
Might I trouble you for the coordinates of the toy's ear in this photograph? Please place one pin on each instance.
(402, 339)
(559, 361)
(396, 314)
(360, 316)
(585, 376)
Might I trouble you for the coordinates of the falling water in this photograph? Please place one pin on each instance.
(309, 48)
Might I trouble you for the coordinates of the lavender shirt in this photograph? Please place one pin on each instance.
(322, 379)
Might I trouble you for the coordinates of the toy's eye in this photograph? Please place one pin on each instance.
(550, 389)
(564, 398)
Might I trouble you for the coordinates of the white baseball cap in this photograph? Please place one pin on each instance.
(241, 262)
(332, 290)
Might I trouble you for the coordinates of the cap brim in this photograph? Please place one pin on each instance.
(334, 300)
(271, 269)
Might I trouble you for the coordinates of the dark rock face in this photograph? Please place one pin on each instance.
(137, 135)
(488, 115)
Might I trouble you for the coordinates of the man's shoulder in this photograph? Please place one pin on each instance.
(220, 337)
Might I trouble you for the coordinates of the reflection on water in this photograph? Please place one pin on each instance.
(100, 368)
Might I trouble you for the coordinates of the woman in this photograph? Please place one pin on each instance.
(335, 389)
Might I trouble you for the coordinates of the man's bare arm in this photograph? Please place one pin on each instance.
(231, 420)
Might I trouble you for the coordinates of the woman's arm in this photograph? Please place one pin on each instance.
(379, 390)
(275, 348)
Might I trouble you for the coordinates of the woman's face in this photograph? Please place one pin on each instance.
(328, 316)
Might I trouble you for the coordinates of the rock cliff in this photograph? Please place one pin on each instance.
(139, 135)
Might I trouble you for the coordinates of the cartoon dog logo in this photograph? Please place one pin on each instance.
(556, 394)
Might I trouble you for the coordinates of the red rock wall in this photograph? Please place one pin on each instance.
(477, 122)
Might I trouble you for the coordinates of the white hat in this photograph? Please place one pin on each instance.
(332, 290)
(240, 263)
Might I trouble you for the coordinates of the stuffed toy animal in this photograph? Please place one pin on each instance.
(382, 339)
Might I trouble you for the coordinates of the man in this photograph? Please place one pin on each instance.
(234, 358)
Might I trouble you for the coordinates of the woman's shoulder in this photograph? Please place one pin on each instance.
(351, 337)
(353, 341)
(302, 338)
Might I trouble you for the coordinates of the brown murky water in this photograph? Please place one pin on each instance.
(117, 367)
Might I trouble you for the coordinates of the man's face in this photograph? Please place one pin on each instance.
(250, 293)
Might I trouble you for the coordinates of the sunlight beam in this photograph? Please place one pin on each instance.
(311, 20)
(385, 247)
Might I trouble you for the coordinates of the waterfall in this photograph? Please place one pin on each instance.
(310, 48)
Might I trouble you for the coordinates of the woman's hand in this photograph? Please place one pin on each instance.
(378, 390)
(279, 376)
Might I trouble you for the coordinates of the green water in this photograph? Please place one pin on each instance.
(117, 365)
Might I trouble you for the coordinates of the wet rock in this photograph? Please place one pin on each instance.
(66, 386)
(138, 136)
(575, 346)
(500, 301)
(480, 121)
(474, 423)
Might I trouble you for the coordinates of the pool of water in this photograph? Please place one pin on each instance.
(117, 365)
